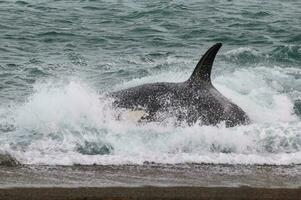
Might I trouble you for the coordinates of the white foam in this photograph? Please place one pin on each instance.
(59, 117)
(242, 50)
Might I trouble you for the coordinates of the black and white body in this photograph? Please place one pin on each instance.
(195, 100)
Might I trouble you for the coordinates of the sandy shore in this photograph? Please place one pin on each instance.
(113, 193)
(188, 175)
(151, 181)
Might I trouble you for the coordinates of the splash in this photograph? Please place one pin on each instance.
(66, 123)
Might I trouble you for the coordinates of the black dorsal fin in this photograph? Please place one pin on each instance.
(202, 71)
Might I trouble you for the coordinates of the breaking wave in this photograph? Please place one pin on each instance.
(70, 122)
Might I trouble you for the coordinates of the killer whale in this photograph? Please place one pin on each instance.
(195, 100)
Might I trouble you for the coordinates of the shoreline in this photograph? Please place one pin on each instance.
(151, 181)
(112, 193)
(189, 175)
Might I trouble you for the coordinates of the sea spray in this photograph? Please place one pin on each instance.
(69, 122)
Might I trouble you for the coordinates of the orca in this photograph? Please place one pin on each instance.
(194, 101)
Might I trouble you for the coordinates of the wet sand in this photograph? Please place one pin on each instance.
(113, 193)
(151, 181)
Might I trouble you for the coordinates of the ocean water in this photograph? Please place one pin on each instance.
(59, 58)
